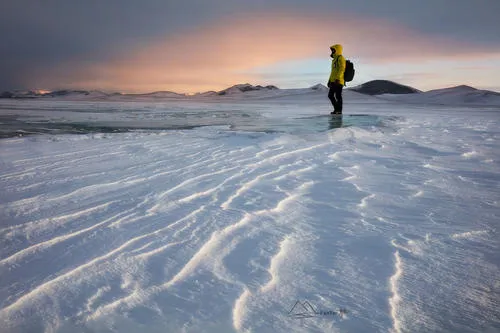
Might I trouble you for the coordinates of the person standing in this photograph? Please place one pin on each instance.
(336, 81)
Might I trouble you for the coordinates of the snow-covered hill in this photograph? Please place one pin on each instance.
(75, 94)
(154, 96)
(157, 94)
(57, 94)
(379, 87)
(243, 88)
(250, 92)
(460, 95)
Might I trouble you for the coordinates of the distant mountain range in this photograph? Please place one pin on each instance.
(237, 89)
(241, 88)
(381, 89)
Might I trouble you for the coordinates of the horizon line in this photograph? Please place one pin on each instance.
(43, 92)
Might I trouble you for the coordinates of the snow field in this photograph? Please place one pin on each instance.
(219, 230)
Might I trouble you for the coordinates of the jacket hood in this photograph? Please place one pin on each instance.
(338, 49)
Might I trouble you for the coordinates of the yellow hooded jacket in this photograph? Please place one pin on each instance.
(338, 65)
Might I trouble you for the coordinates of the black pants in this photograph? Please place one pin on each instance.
(335, 96)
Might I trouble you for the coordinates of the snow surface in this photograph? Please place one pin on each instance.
(244, 215)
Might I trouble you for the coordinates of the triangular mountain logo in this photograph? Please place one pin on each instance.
(302, 310)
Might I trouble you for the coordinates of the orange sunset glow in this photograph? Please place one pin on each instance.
(226, 52)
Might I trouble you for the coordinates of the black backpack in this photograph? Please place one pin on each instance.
(349, 71)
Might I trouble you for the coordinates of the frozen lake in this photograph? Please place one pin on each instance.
(248, 216)
(25, 117)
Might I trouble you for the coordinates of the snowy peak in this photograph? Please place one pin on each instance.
(465, 87)
(242, 88)
(158, 94)
(210, 93)
(319, 87)
(268, 90)
(379, 87)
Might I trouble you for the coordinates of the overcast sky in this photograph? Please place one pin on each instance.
(198, 45)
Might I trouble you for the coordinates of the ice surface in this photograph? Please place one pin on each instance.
(200, 216)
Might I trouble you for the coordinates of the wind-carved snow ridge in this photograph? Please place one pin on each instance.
(276, 261)
(164, 194)
(208, 249)
(470, 154)
(395, 299)
(210, 255)
(219, 242)
(419, 193)
(412, 247)
(246, 186)
(354, 172)
(469, 234)
(363, 202)
(56, 240)
(52, 223)
(239, 308)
